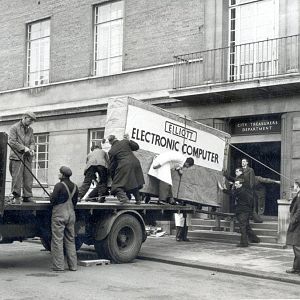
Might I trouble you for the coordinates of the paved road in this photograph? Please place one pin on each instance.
(24, 275)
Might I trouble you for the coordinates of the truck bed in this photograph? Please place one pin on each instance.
(110, 204)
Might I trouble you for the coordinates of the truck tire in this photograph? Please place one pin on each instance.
(46, 242)
(124, 241)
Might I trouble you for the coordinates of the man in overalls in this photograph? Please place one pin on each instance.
(63, 199)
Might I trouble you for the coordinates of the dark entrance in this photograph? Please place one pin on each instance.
(269, 154)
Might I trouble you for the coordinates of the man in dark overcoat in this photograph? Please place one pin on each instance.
(293, 233)
(243, 211)
(125, 169)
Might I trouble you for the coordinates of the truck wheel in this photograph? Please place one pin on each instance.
(46, 242)
(124, 241)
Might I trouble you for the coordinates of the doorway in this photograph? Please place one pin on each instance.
(268, 153)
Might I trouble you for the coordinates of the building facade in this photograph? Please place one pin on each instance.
(231, 64)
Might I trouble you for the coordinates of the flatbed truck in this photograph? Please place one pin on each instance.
(116, 230)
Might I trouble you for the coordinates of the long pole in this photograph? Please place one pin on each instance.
(28, 168)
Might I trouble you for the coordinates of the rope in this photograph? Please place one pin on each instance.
(266, 166)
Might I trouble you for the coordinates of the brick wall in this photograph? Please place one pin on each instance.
(157, 30)
(154, 31)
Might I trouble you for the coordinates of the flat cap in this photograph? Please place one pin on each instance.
(66, 171)
(30, 114)
(111, 138)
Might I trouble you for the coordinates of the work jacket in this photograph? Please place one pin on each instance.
(20, 136)
(97, 157)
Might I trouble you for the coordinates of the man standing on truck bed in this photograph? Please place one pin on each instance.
(21, 140)
(97, 163)
(125, 169)
(63, 199)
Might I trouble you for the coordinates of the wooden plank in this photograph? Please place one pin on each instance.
(94, 262)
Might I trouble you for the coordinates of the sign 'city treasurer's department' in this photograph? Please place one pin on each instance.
(157, 131)
(159, 134)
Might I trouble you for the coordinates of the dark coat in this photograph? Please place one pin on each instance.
(249, 177)
(243, 199)
(125, 168)
(293, 233)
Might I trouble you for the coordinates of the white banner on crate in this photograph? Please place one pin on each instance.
(159, 134)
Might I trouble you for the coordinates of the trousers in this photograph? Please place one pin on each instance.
(21, 177)
(63, 235)
(246, 230)
(90, 175)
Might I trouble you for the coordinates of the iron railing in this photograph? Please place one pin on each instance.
(272, 57)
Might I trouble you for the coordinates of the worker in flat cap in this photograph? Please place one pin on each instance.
(21, 141)
(63, 200)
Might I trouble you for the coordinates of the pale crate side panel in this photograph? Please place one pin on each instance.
(116, 117)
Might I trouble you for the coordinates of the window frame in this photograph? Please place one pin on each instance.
(29, 50)
(96, 25)
(91, 139)
(45, 160)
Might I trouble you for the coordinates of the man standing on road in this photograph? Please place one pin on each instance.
(161, 170)
(21, 140)
(125, 169)
(293, 233)
(63, 199)
(96, 164)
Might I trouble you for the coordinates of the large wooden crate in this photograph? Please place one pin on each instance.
(157, 130)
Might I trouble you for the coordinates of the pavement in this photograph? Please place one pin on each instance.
(254, 261)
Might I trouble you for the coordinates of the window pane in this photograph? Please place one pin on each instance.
(116, 65)
(116, 10)
(103, 41)
(104, 13)
(102, 67)
(116, 38)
